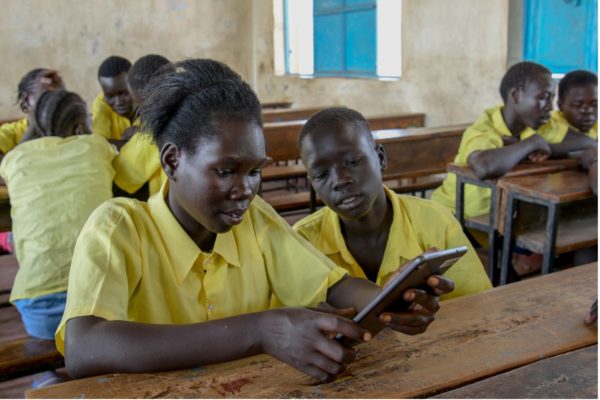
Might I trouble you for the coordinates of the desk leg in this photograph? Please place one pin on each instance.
(492, 241)
(550, 243)
(460, 201)
(507, 242)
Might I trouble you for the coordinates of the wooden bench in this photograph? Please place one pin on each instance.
(276, 104)
(417, 160)
(8, 270)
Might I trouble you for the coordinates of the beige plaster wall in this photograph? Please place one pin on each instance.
(75, 36)
(454, 52)
(454, 55)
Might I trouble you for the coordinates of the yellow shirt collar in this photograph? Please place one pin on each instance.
(181, 248)
(402, 243)
(500, 125)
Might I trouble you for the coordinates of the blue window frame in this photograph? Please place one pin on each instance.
(562, 34)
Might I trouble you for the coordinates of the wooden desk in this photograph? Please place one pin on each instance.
(488, 223)
(552, 191)
(473, 337)
(289, 114)
(276, 104)
(8, 270)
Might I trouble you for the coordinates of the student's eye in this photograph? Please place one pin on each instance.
(255, 172)
(224, 172)
(354, 161)
(319, 175)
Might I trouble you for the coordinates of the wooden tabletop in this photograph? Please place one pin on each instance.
(557, 187)
(473, 337)
(521, 169)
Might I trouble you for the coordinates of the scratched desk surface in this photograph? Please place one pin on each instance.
(474, 337)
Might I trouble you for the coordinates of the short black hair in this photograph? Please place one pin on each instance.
(25, 87)
(143, 69)
(573, 79)
(333, 115)
(181, 106)
(55, 111)
(113, 66)
(519, 74)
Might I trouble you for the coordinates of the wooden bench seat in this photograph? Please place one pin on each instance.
(8, 270)
(28, 356)
(291, 201)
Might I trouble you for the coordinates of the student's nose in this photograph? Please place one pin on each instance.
(547, 106)
(243, 188)
(341, 178)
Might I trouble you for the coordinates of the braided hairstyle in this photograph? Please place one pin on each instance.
(185, 98)
(58, 112)
(519, 75)
(333, 115)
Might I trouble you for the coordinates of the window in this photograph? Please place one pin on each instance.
(339, 38)
(561, 34)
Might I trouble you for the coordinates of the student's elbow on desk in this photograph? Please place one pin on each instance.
(480, 164)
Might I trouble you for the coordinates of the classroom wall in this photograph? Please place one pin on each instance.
(454, 52)
(75, 36)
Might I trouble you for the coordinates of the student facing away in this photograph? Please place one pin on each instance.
(138, 161)
(112, 110)
(54, 183)
(30, 87)
(186, 278)
(366, 228)
(577, 106)
(505, 135)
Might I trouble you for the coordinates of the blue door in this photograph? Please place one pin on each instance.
(562, 34)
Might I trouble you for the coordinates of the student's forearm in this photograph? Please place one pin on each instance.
(573, 141)
(95, 346)
(352, 292)
(489, 164)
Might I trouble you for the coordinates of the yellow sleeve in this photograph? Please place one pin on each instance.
(137, 162)
(299, 274)
(593, 133)
(11, 134)
(105, 268)
(477, 140)
(101, 117)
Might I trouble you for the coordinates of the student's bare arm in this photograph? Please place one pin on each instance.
(573, 141)
(293, 335)
(493, 163)
(357, 292)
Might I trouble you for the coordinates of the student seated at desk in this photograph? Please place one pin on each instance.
(366, 228)
(186, 278)
(138, 161)
(54, 183)
(112, 110)
(505, 135)
(31, 86)
(577, 107)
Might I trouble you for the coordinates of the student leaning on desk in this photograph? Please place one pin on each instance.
(505, 135)
(186, 278)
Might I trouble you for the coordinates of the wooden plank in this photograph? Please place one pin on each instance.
(473, 337)
(289, 114)
(276, 104)
(12, 326)
(28, 356)
(558, 187)
(8, 270)
(573, 375)
(573, 234)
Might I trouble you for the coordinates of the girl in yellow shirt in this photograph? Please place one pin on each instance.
(186, 279)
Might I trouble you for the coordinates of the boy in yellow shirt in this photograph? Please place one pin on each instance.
(46, 222)
(505, 135)
(577, 106)
(112, 110)
(186, 278)
(138, 161)
(366, 228)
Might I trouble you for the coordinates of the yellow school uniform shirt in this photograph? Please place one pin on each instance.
(556, 129)
(133, 261)
(54, 184)
(11, 134)
(105, 121)
(485, 134)
(417, 225)
(138, 162)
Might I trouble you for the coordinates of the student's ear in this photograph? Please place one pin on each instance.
(381, 155)
(169, 159)
(515, 94)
